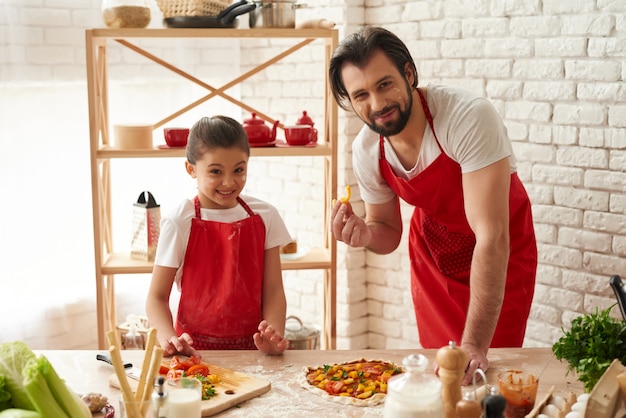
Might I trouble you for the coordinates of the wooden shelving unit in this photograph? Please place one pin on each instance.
(108, 262)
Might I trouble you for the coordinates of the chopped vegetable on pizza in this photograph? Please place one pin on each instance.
(192, 367)
(361, 382)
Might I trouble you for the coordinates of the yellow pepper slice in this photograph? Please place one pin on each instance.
(346, 199)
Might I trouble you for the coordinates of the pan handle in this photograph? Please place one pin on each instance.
(245, 7)
(620, 293)
(230, 8)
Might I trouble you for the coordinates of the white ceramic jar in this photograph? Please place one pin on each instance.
(415, 393)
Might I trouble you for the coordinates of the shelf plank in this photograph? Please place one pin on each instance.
(122, 263)
(107, 152)
(212, 33)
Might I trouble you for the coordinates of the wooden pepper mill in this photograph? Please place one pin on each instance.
(452, 363)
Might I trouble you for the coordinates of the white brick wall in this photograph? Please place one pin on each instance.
(554, 69)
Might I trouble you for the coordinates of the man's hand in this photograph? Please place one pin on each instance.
(477, 360)
(348, 227)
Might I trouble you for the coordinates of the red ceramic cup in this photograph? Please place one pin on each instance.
(298, 134)
(176, 137)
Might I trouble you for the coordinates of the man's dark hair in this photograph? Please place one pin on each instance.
(357, 49)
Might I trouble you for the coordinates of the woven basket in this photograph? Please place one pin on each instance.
(174, 8)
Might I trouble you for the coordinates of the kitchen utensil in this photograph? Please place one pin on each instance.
(519, 388)
(107, 359)
(305, 119)
(452, 361)
(274, 14)
(298, 134)
(142, 408)
(133, 136)
(620, 292)
(176, 137)
(126, 13)
(225, 19)
(414, 393)
(184, 398)
(233, 389)
(258, 132)
(300, 336)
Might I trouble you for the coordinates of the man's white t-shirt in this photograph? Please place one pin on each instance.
(176, 226)
(468, 127)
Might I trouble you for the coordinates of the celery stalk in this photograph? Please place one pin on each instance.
(70, 404)
(40, 394)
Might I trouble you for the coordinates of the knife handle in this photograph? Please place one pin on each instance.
(107, 359)
(620, 293)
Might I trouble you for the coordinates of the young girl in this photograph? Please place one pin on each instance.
(222, 250)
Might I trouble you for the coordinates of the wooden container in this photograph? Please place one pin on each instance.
(133, 136)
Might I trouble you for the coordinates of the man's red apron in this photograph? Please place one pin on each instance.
(222, 282)
(441, 244)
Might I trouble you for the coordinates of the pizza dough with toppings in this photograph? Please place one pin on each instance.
(359, 382)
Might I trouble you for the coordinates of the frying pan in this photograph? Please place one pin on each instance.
(620, 292)
(225, 19)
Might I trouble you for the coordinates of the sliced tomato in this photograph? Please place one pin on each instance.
(196, 369)
(174, 374)
(334, 387)
(176, 363)
(372, 369)
(163, 370)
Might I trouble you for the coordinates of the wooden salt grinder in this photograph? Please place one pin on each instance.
(452, 363)
(469, 406)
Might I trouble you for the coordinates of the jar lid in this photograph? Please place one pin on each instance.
(254, 120)
(305, 119)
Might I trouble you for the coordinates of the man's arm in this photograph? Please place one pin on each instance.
(486, 194)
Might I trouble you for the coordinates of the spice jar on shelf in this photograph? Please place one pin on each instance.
(126, 13)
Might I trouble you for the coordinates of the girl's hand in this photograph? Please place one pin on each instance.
(179, 345)
(268, 340)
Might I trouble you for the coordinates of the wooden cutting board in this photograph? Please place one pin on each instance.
(234, 389)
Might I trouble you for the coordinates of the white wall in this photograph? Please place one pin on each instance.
(554, 69)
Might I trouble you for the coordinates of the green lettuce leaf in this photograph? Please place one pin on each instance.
(13, 357)
(5, 395)
(19, 413)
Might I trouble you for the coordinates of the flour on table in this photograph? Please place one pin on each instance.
(285, 382)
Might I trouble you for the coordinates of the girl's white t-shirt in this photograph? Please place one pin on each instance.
(176, 226)
(468, 127)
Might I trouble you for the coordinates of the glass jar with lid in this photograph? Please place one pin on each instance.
(126, 13)
(414, 393)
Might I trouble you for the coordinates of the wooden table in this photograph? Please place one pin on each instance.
(286, 397)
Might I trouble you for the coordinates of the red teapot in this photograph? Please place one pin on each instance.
(306, 120)
(258, 132)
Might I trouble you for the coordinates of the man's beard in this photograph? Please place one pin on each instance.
(394, 127)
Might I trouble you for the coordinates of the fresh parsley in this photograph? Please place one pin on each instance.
(592, 343)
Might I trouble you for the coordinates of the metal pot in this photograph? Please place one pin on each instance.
(301, 337)
(274, 14)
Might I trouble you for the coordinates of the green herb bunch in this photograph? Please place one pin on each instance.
(592, 343)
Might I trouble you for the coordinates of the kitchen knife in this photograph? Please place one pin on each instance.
(131, 371)
(107, 359)
(620, 292)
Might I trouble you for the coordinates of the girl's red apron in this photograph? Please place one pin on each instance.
(222, 282)
(441, 244)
